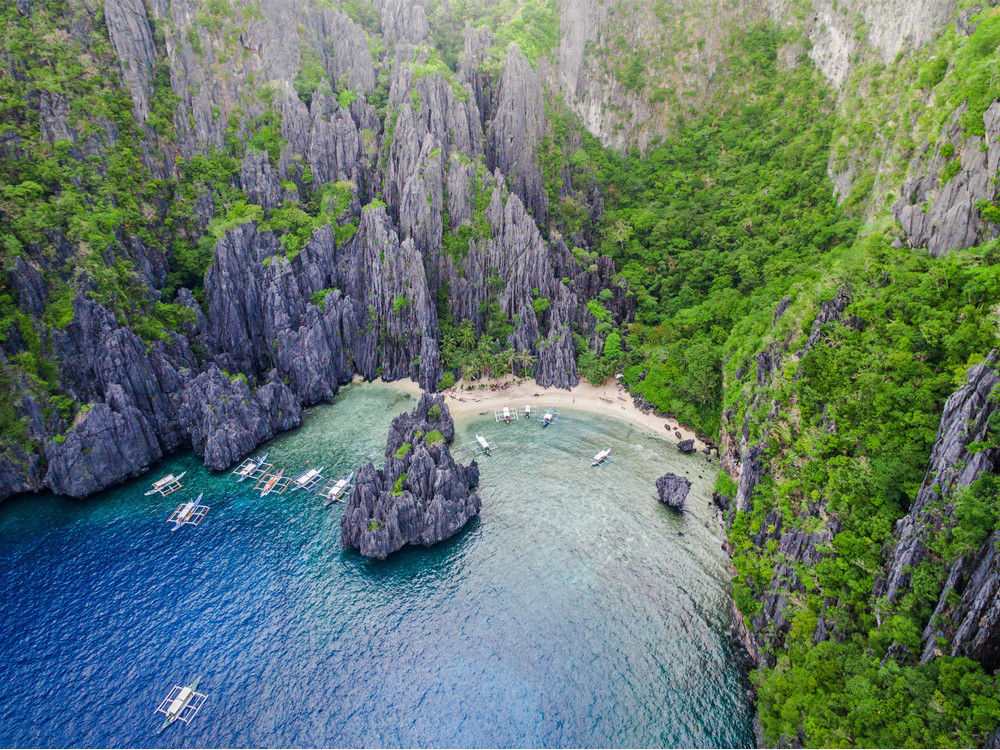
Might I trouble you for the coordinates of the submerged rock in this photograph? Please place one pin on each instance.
(422, 496)
(673, 490)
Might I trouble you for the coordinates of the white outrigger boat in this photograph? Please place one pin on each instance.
(549, 418)
(181, 704)
(484, 445)
(308, 479)
(505, 414)
(600, 458)
(249, 467)
(333, 492)
(527, 411)
(167, 484)
(189, 513)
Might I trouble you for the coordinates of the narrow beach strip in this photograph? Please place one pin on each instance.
(607, 399)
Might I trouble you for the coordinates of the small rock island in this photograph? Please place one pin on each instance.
(673, 490)
(422, 496)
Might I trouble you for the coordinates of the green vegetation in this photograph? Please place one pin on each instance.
(397, 488)
(319, 298)
(531, 24)
(434, 413)
(713, 228)
(403, 450)
(434, 436)
(297, 223)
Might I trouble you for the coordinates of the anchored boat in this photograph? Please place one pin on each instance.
(181, 704)
(505, 414)
(484, 445)
(189, 513)
(333, 492)
(600, 458)
(308, 479)
(249, 467)
(167, 484)
(272, 483)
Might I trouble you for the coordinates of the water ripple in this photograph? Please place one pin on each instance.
(571, 614)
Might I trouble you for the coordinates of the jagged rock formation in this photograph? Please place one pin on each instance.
(148, 403)
(673, 490)
(433, 153)
(942, 214)
(422, 496)
(686, 446)
(966, 620)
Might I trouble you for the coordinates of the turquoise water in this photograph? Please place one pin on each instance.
(570, 614)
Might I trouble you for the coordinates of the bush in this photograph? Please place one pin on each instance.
(434, 413)
(447, 381)
(397, 488)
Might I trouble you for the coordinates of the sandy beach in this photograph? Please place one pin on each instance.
(608, 399)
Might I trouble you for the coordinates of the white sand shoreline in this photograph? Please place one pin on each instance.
(608, 399)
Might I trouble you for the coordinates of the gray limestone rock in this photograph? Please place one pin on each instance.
(132, 39)
(226, 420)
(421, 497)
(943, 216)
(516, 130)
(673, 490)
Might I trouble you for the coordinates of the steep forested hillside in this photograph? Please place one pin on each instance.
(777, 220)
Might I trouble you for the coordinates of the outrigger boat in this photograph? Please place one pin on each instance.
(505, 414)
(189, 513)
(547, 419)
(601, 457)
(248, 467)
(333, 493)
(527, 411)
(270, 482)
(168, 484)
(484, 445)
(181, 704)
(308, 478)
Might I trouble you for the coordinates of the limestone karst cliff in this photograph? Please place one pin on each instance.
(214, 213)
(421, 497)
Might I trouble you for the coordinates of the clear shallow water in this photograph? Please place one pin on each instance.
(570, 614)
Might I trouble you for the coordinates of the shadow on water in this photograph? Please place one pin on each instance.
(570, 614)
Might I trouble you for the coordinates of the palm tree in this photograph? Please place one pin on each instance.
(525, 360)
(466, 336)
(507, 358)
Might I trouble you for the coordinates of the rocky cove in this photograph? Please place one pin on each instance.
(766, 230)
(561, 608)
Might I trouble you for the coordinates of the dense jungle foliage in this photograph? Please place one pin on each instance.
(713, 229)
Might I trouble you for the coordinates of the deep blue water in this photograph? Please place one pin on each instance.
(571, 614)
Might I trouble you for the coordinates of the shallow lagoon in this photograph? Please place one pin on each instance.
(571, 614)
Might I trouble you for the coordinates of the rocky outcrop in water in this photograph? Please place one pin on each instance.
(673, 490)
(421, 497)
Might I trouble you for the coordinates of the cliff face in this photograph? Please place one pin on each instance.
(391, 192)
(966, 616)
(631, 68)
(422, 496)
